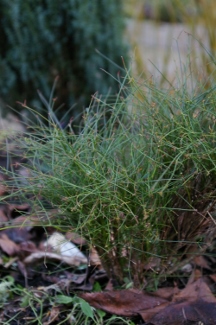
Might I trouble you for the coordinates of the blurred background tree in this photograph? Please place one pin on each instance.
(43, 39)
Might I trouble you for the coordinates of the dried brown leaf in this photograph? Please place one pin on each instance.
(195, 275)
(94, 258)
(75, 238)
(3, 186)
(167, 293)
(201, 262)
(195, 303)
(199, 313)
(213, 277)
(16, 209)
(52, 316)
(17, 235)
(26, 221)
(123, 302)
(3, 215)
(28, 247)
(8, 246)
(39, 256)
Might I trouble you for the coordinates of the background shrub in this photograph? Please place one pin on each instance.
(43, 39)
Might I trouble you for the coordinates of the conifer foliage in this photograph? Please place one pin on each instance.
(45, 38)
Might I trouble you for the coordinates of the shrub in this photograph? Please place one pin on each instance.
(44, 39)
(141, 187)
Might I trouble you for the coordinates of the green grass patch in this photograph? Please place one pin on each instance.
(139, 185)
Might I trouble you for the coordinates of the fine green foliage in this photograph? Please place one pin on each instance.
(44, 39)
(138, 186)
